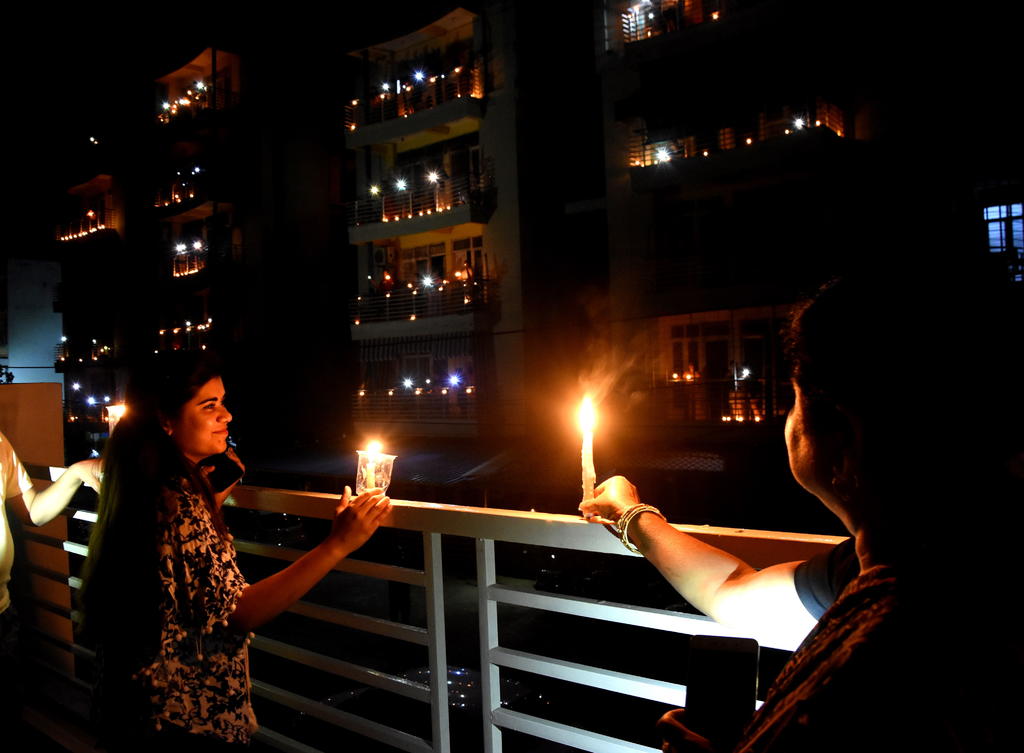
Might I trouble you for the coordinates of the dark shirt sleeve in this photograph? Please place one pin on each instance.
(822, 578)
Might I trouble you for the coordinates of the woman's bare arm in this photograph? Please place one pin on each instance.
(763, 602)
(354, 522)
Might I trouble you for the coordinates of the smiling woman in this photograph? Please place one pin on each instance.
(162, 597)
(201, 427)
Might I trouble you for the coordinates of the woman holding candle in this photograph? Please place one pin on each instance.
(884, 668)
(163, 597)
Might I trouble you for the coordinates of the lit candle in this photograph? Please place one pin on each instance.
(114, 414)
(587, 418)
(372, 458)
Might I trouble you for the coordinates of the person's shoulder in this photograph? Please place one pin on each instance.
(5, 446)
(179, 497)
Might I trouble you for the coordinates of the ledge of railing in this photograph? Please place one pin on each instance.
(758, 548)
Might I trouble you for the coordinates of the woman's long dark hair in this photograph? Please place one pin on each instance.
(120, 591)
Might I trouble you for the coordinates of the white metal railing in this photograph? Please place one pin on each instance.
(486, 526)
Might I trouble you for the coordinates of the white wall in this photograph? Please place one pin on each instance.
(33, 328)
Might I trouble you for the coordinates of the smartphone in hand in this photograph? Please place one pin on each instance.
(721, 687)
(224, 473)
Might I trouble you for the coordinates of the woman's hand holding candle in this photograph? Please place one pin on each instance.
(611, 499)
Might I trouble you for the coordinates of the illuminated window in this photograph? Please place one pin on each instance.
(1004, 228)
(468, 253)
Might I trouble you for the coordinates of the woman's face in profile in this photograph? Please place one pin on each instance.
(810, 459)
(201, 427)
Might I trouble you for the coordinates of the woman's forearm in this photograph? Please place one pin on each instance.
(696, 570)
(45, 505)
(260, 602)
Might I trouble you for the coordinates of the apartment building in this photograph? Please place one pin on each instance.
(434, 223)
(753, 148)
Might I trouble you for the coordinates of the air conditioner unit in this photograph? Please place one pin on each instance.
(383, 255)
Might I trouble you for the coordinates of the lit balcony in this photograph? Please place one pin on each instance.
(422, 87)
(423, 91)
(449, 403)
(403, 206)
(411, 302)
(796, 139)
(186, 336)
(68, 354)
(189, 258)
(405, 610)
(687, 398)
(207, 83)
(646, 19)
(91, 222)
(645, 152)
(184, 190)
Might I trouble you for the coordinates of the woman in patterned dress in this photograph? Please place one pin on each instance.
(163, 597)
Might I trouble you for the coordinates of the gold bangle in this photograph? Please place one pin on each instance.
(627, 517)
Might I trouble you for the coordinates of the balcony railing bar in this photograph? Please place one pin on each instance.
(357, 567)
(375, 678)
(625, 614)
(73, 648)
(373, 730)
(280, 742)
(595, 677)
(375, 625)
(437, 650)
(564, 734)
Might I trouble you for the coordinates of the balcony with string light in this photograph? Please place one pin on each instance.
(188, 258)
(448, 400)
(415, 203)
(794, 135)
(443, 102)
(426, 86)
(208, 83)
(645, 20)
(90, 223)
(181, 192)
(428, 306)
(186, 335)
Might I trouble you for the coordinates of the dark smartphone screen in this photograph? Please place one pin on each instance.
(721, 687)
(225, 471)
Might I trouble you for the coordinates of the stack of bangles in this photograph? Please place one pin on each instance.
(622, 524)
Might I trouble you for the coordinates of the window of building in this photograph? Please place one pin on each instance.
(421, 261)
(1004, 228)
(468, 253)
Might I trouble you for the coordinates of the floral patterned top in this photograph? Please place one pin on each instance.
(199, 679)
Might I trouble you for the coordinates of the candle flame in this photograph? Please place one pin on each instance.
(587, 415)
(374, 447)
